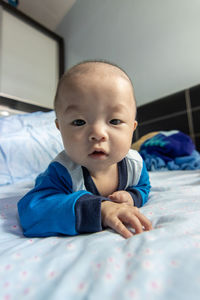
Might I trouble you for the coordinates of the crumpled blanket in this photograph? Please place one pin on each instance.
(169, 150)
(155, 163)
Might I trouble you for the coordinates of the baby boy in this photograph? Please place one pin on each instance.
(97, 181)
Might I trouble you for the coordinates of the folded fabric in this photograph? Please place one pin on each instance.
(190, 162)
(168, 145)
(155, 163)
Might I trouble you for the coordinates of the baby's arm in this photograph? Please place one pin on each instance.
(51, 208)
(117, 215)
(134, 195)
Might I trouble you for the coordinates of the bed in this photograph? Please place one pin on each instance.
(161, 264)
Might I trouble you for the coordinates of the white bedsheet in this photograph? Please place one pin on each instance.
(161, 264)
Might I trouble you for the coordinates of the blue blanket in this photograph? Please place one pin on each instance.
(161, 264)
(172, 150)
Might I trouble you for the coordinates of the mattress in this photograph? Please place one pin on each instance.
(160, 264)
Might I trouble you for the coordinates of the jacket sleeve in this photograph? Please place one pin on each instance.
(51, 208)
(141, 191)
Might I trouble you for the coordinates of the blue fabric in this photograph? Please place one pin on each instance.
(170, 150)
(190, 162)
(28, 142)
(139, 193)
(143, 186)
(88, 213)
(168, 146)
(49, 208)
(155, 163)
(60, 203)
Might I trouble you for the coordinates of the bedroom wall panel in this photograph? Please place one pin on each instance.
(170, 105)
(31, 58)
(197, 141)
(179, 122)
(196, 122)
(195, 96)
(179, 111)
(195, 108)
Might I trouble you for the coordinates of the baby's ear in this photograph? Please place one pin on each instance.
(57, 124)
(135, 125)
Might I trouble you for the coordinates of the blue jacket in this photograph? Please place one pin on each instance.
(66, 201)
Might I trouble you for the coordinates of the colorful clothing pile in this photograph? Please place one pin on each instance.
(168, 150)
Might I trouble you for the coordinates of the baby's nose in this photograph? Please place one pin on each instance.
(98, 133)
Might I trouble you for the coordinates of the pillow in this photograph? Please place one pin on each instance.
(28, 142)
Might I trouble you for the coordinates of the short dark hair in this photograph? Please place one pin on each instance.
(83, 67)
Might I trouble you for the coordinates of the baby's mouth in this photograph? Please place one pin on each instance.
(98, 154)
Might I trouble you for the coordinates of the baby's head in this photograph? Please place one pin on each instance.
(84, 70)
(96, 109)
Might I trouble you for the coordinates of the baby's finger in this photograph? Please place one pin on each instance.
(134, 222)
(144, 221)
(118, 226)
(117, 197)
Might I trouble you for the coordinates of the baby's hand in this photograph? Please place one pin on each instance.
(117, 215)
(121, 197)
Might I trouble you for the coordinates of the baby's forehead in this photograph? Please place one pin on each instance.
(95, 83)
(91, 75)
(88, 71)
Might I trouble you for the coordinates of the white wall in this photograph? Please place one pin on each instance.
(156, 41)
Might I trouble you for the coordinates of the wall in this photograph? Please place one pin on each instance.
(29, 61)
(157, 41)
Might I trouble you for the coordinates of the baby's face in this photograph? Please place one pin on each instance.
(97, 120)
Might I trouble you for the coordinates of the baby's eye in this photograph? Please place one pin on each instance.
(78, 122)
(115, 121)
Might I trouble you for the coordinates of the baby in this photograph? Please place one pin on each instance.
(97, 181)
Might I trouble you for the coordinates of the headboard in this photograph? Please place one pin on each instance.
(10, 106)
(179, 111)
